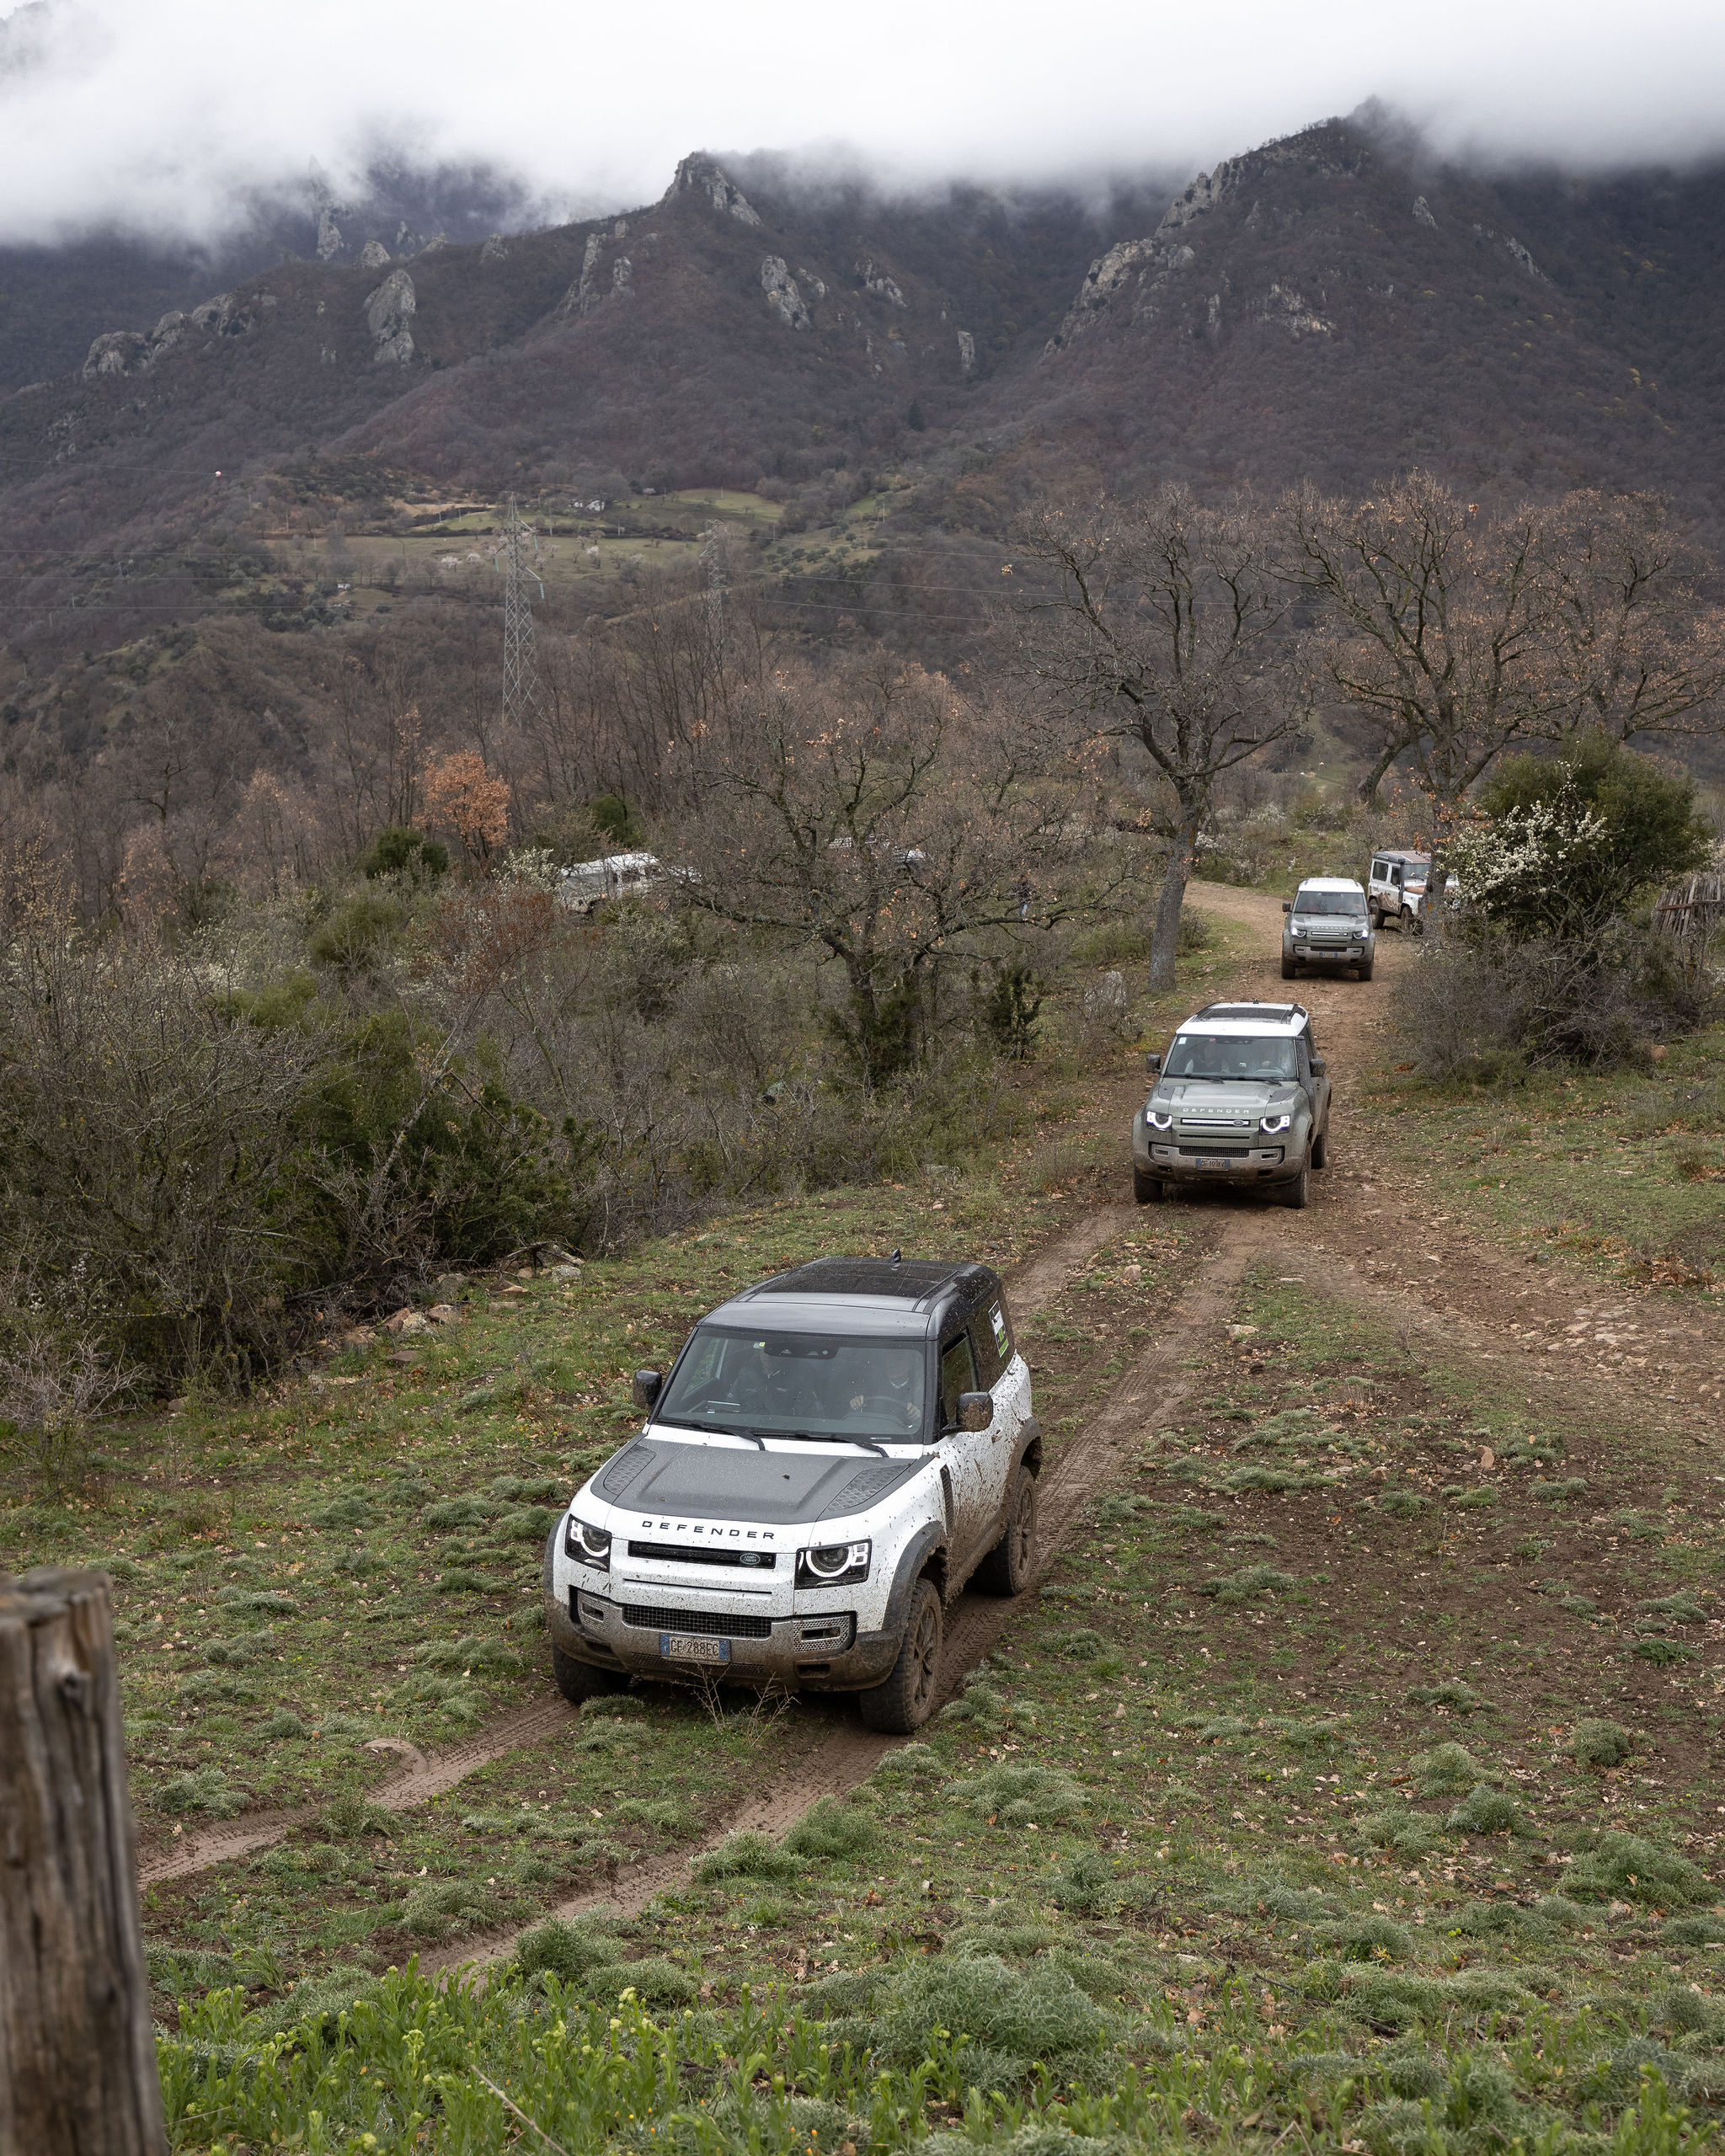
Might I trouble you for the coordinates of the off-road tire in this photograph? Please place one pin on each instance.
(1363, 968)
(1376, 917)
(1010, 1567)
(579, 1680)
(1146, 1189)
(1289, 970)
(906, 1699)
(1320, 1156)
(1412, 925)
(1297, 1194)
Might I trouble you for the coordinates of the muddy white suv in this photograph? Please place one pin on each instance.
(1241, 1097)
(836, 1453)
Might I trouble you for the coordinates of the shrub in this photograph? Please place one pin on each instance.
(833, 1829)
(1627, 1868)
(1446, 1768)
(1017, 1796)
(442, 1908)
(571, 1950)
(749, 1856)
(1600, 1743)
(1040, 2015)
(1486, 1811)
(350, 1509)
(201, 1788)
(1250, 1581)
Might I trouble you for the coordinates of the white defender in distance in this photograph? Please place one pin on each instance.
(836, 1453)
(1241, 1097)
(1327, 924)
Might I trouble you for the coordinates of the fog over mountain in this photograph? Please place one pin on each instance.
(169, 117)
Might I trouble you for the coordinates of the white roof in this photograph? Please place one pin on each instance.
(1332, 883)
(1249, 1018)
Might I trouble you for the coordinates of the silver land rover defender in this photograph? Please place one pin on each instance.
(1241, 1097)
(836, 1453)
(1327, 926)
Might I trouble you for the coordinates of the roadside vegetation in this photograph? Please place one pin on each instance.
(1230, 1839)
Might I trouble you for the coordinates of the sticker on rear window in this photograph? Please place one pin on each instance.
(996, 1318)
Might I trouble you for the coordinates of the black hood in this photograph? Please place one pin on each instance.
(693, 1483)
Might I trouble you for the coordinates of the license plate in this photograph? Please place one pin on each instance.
(1219, 1164)
(693, 1647)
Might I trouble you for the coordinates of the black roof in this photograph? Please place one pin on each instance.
(912, 1280)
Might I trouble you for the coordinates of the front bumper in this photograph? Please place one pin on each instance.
(1357, 953)
(821, 1650)
(1176, 1163)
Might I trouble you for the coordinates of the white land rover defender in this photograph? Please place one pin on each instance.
(836, 1453)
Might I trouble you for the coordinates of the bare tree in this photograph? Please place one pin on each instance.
(882, 818)
(1165, 625)
(1440, 629)
(1640, 650)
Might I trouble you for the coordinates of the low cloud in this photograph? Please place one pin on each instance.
(169, 116)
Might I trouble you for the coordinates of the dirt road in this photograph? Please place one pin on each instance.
(1370, 1236)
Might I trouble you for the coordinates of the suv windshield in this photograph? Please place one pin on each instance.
(1230, 1055)
(1328, 902)
(801, 1384)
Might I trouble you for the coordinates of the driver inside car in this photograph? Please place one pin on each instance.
(889, 1381)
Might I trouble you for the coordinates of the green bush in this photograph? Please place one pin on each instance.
(1016, 1796)
(1040, 2015)
(749, 1856)
(201, 1788)
(833, 1829)
(1595, 1743)
(571, 1950)
(1446, 1768)
(1627, 1868)
(1486, 1811)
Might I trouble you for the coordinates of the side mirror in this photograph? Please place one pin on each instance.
(1287, 905)
(976, 1410)
(1153, 1065)
(1318, 1067)
(644, 1388)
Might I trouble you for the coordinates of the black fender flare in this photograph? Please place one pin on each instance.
(913, 1560)
(1029, 1450)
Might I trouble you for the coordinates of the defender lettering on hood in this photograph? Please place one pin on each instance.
(694, 1527)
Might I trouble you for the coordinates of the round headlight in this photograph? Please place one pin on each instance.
(595, 1540)
(1272, 1123)
(831, 1560)
(1159, 1118)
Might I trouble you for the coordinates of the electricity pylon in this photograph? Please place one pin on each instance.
(520, 668)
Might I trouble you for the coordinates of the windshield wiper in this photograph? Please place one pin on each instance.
(712, 1429)
(837, 1438)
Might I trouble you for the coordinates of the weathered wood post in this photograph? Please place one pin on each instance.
(77, 2052)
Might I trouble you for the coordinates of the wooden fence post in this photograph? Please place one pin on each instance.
(77, 2051)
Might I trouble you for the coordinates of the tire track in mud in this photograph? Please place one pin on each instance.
(848, 1754)
(433, 1775)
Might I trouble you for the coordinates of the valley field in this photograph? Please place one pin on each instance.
(1351, 1781)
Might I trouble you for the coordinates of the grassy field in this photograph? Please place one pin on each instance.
(1626, 1173)
(1316, 1798)
(1354, 1782)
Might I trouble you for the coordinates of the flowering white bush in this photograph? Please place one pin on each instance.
(1499, 864)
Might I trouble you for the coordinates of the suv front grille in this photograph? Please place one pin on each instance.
(760, 1561)
(719, 1623)
(1216, 1152)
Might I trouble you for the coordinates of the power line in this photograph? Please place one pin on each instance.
(520, 668)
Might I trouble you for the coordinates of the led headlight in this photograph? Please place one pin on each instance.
(1160, 1118)
(833, 1564)
(587, 1544)
(1272, 1123)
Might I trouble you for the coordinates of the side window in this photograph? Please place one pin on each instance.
(957, 1374)
(988, 1368)
(1304, 1053)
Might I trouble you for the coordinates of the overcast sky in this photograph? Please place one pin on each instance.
(152, 114)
